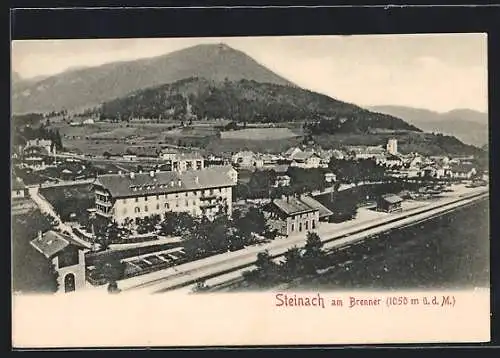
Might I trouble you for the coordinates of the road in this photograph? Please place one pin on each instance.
(232, 261)
(46, 208)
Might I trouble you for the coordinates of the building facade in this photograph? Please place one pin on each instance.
(45, 144)
(290, 215)
(392, 146)
(120, 197)
(181, 162)
(67, 255)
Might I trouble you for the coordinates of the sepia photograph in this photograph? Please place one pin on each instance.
(295, 167)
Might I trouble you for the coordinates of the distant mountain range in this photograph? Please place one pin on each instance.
(216, 81)
(87, 87)
(468, 125)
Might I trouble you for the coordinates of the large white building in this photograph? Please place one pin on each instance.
(135, 195)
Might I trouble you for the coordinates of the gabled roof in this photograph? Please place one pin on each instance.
(313, 203)
(462, 168)
(304, 155)
(52, 242)
(292, 205)
(188, 156)
(278, 168)
(122, 185)
(291, 151)
(392, 198)
(244, 153)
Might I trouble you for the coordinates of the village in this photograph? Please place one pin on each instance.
(131, 215)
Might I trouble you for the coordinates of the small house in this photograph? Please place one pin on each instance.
(463, 171)
(67, 254)
(306, 160)
(291, 152)
(390, 203)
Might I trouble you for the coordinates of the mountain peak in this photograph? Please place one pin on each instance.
(93, 85)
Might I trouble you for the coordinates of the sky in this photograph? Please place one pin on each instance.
(439, 72)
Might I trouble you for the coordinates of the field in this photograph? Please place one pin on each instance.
(116, 138)
(259, 133)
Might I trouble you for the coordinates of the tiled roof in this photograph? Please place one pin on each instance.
(304, 155)
(245, 153)
(122, 185)
(462, 168)
(313, 203)
(292, 205)
(188, 156)
(291, 150)
(51, 242)
(392, 198)
(278, 168)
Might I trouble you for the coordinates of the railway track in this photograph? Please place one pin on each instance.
(335, 242)
(232, 284)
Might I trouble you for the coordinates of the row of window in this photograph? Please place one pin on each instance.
(166, 206)
(186, 194)
(313, 226)
(304, 216)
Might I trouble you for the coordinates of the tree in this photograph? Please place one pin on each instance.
(177, 223)
(266, 272)
(252, 221)
(112, 269)
(314, 255)
(106, 155)
(293, 265)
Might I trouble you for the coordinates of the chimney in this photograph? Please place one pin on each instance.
(119, 172)
(287, 198)
(197, 180)
(157, 170)
(152, 173)
(171, 183)
(132, 175)
(179, 182)
(39, 235)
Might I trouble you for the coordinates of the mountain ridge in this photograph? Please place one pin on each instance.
(90, 86)
(245, 101)
(470, 126)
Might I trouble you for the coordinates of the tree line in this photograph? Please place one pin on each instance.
(296, 262)
(246, 101)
